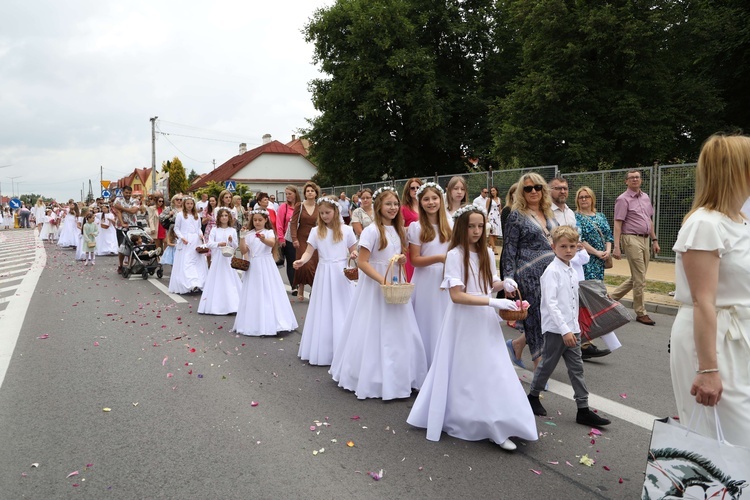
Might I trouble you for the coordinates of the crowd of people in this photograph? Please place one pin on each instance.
(446, 341)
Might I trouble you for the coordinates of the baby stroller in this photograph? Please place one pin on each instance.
(144, 258)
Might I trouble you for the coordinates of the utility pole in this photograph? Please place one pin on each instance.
(214, 163)
(101, 179)
(153, 153)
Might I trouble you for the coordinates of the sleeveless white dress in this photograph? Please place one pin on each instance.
(381, 354)
(69, 231)
(329, 299)
(106, 242)
(472, 391)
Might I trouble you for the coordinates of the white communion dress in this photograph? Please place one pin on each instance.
(472, 391)
(264, 305)
(106, 242)
(329, 299)
(69, 231)
(381, 354)
(430, 301)
(190, 268)
(221, 293)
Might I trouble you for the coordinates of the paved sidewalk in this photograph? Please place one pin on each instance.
(657, 271)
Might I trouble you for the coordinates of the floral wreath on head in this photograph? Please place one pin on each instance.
(326, 199)
(468, 208)
(259, 211)
(383, 190)
(426, 185)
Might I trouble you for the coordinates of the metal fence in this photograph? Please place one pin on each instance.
(670, 187)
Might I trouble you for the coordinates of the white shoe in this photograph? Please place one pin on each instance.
(508, 445)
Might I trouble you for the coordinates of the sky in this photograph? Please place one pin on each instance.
(81, 79)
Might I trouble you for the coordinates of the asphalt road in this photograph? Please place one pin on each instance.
(144, 398)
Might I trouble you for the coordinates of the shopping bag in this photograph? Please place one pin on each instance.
(685, 464)
(597, 313)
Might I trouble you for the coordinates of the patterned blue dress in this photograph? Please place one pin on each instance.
(526, 254)
(588, 224)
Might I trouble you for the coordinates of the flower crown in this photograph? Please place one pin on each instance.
(383, 190)
(429, 185)
(326, 199)
(259, 211)
(468, 208)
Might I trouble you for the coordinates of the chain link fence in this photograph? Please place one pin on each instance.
(675, 194)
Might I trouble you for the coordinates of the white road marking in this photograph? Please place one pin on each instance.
(15, 313)
(158, 284)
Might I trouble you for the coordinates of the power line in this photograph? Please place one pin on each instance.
(192, 127)
(183, 153)
(195, 137)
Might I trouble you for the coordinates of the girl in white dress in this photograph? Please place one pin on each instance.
(170, 243)
(456, 195)
(472, 391)
(189, 269)
(264, 305)
(381, 354)
(90, 232)
(40, 212)
(69, 230)
(48, 228)
(329, 300)
(429, 238)
(106, 242)
(80, 221)
(221, 293)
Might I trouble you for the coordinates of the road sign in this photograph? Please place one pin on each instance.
(230, 186)
(15, 203)
(106, 194)
(105, 184)
(118, 193)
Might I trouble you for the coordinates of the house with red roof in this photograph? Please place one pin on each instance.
(269, 167)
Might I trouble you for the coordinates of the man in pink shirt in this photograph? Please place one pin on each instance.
(633, 228)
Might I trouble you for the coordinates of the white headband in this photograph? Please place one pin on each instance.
(429, 185)
(468, 208)
(383, 190)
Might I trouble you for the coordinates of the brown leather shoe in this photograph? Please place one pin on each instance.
(645, 320)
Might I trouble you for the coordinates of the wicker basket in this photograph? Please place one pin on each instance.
(227, 251)
(519, 315)
(351, 273)
(398, 292)
(202, 249)
(240, 264)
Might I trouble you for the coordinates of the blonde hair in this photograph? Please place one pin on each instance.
(511, 195)
(565, 231)
(722, 177)
(545, 203)
(428, 232)
(338, 235)
(293, 189)
(590, 192)
(398, 221)
(220, 201)
(193, 212)
(451, 184)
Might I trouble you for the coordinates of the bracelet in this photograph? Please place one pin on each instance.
(654, 239)
(710, 370)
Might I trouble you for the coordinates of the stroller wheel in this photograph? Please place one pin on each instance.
(126, 272)
(159, 273)
(145, 274)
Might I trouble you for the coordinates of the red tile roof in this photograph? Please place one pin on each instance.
(229, 168)
(301, 145)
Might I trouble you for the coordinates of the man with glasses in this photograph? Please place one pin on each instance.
(633, 228)
(481, 200)
(566, 217)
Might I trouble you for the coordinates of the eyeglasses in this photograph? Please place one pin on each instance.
(484, 192)
(160, 201)
(177, 199)
(535, 187)
(584, 197)
(413, 188)
(390, 204)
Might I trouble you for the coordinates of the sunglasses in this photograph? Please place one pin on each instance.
(535, 187)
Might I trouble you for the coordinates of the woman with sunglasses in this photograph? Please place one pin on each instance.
(161, 233)
(527, 251)
(410, 213)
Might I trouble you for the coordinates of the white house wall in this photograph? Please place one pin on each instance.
(282, 167)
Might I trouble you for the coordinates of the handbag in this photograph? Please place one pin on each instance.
(608, 263)
(597, 313)
(91, 244)
(684, 464)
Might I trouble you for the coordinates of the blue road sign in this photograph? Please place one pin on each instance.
(230, 186)
(118, 193)
(15, 203)
(106, 194)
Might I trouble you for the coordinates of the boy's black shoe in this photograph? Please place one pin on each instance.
(536, 406)
(587, 417)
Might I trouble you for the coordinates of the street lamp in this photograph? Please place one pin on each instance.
(12, 189)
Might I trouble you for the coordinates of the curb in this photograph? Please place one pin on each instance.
(653, 307)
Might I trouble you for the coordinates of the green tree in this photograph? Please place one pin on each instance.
(401, 95)
(192, 176)
(603, 82)
(178, 183)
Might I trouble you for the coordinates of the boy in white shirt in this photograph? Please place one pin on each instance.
(562, 334)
